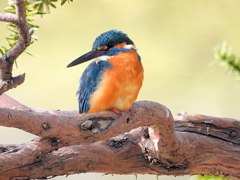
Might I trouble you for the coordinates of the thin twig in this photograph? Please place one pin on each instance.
(8, 18)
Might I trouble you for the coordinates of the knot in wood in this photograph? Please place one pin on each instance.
(45, 126)
(233, 134)
(54, 142)
(87, 125)
(96, 124)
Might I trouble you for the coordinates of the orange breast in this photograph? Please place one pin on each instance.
(120, 85)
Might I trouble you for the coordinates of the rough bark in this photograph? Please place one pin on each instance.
(145, 140)
(6, 61)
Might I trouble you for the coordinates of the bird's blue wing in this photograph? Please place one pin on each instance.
(88, 83)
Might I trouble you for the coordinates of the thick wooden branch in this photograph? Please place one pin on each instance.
(145, 140)
(18, 154)
(222, 128)
(6, 61)
(87, 128)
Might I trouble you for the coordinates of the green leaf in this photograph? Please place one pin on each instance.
(30, 19)
(5, 48)
(33, 26)
(41, 12)
(1, 51)
(32, 12)
(11, 25)
(29, 6)
(28, 52)
(225, 57)
(208, 177)
(53, 5)
(37, 2)
(64, 1)
(34, 37)
(14, 31)
(12, 11)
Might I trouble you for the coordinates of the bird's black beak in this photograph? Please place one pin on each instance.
(86, 57)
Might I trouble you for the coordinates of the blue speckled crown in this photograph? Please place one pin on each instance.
(111, 38)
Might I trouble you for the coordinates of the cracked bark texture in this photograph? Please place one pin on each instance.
(145, 140)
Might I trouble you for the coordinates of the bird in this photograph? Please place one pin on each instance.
(113, 80)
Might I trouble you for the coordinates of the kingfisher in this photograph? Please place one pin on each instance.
(113, 80)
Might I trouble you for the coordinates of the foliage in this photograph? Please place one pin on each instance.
(224, 57)
(33, 7)
(207, 177)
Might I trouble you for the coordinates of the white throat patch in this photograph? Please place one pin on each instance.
(130, 46)
(102, 58)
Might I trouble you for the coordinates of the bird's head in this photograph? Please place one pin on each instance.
(105, 46)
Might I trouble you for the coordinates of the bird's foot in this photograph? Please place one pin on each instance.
(114, 110)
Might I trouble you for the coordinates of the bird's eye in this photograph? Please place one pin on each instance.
(110, 45)
(104, 48)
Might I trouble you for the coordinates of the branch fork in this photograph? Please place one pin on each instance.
(6, 61)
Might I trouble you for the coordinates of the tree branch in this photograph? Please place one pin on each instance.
(6, 62)
(88, 128)
(154, 143)
(8, 18)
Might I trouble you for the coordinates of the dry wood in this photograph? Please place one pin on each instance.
(145, 140)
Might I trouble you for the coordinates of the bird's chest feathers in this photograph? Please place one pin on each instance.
(122, 82)
(126, 68)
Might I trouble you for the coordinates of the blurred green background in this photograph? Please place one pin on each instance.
(174, 38)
